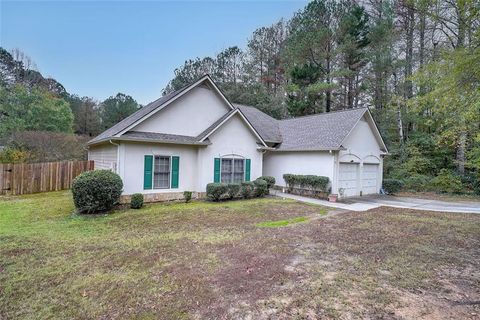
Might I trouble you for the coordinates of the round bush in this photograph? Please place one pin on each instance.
(187, 195)
(261, 187)
(95, 191)
(270, 180)
(246, 189)
(392, 186)
(215, 190)
(136, 201)
(233, 190)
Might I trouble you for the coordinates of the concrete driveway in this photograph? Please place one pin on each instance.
(418, 204)
(374, 201)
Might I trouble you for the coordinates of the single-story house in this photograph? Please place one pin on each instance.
(194, 136)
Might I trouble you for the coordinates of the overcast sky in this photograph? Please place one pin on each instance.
(100, 48)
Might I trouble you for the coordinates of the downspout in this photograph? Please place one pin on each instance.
(118, 156)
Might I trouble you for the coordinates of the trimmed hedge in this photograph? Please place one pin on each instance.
(95, 191)
(313, 182)
(233, 190)
(270, 181)
(246, 190)
(261, 187)
(136, 202)
(392, 186)
(216, 190)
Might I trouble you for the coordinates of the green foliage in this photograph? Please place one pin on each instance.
(215, 191)
(281, 223)
(136, 201)
(447, 182)
(233, 190)
(187, 195)
(417, 182)
(261, 187)
(312, 182)
(35, 109)
(96, 191)
(247, 189)
(476, 185)
(270, 180)
(13, 155)
(392, 186)
(116, 108)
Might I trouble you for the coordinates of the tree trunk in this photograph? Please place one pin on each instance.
(410, 23)
(399, 124)
(461, 146)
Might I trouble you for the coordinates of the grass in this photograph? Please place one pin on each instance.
(281, 223)
(234, 260)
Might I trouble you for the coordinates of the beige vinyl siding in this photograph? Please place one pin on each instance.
(104, 156)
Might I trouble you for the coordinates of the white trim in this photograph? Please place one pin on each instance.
(204, 78)
(227, 118)
(371, 124)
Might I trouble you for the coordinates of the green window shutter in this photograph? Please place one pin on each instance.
(147, 172)
(216, 170)
(247, 169)
(175, 169)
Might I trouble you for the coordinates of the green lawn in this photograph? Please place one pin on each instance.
(259, 258)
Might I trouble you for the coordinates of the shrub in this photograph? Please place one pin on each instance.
(392, 186)
(290, 180)
(270, 181)
(233, 190)
(136, 201)
(417, 182)
(187, 195)
(216, 190)
(246, 189)
(476, 185)
(313, 182)
(447, 182)
(97, 190)
(261, 187)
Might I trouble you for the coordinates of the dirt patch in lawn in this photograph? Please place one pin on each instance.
(218, 261)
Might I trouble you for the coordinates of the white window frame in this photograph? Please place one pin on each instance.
(169, 171)
(232, 158)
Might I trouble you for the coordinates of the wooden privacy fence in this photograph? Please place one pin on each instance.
(24, 178)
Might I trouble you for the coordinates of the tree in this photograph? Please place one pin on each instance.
(116, 108)
(86, 115)
(35, 109)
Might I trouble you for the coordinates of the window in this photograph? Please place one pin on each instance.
(232, 170)
(161, 172)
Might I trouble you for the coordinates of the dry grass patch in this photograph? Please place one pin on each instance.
(218, 260)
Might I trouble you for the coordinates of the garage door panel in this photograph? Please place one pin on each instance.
(348, 175)
(370, 178)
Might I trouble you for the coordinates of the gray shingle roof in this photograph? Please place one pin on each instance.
(160, 137)
(213, 125)
(266, 126)
(125, 123)
(325, 131)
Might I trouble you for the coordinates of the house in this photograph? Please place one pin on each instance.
(194, 136)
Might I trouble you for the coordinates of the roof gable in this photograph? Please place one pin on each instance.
(150, 109)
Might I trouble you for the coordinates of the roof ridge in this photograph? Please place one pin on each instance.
(324, 113)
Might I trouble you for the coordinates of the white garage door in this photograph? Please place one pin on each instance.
(347, 179)
(370, 178)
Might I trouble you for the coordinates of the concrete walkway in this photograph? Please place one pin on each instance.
(350, 207)
(370, 202)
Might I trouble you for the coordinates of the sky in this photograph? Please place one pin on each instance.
(99, 48)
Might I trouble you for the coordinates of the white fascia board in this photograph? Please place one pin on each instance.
(161, 107)
(237, 111)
